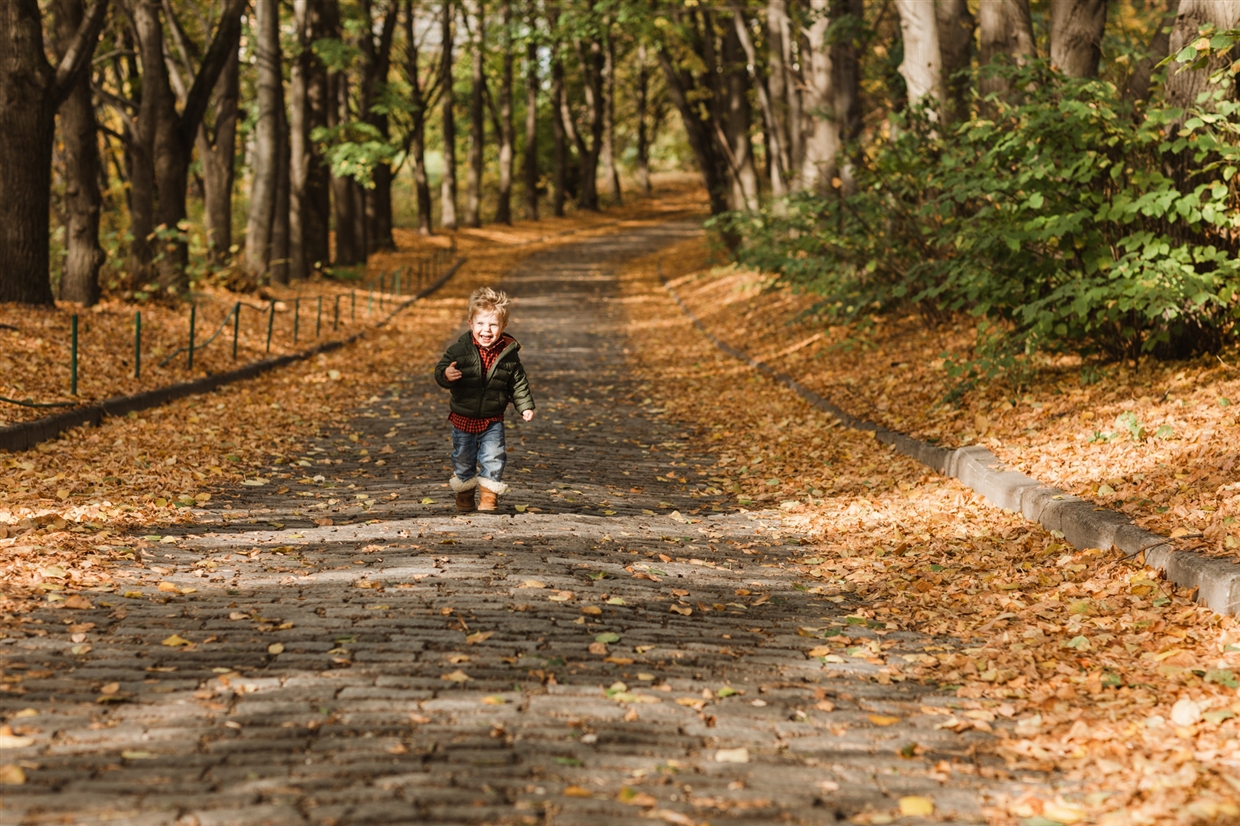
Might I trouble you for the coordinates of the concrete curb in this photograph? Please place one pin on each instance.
(23, 436)
(1084, 524)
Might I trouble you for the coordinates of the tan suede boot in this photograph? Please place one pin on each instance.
(465, 501)
(489, 500)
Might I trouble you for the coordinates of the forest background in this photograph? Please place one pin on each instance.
(1063, 170)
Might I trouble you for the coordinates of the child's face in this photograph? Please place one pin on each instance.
(486, 327)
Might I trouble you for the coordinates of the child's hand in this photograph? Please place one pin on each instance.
(527, 415)
(452, 374)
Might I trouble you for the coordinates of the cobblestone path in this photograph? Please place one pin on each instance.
(336, 646)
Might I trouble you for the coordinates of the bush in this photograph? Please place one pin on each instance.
(1066, 219)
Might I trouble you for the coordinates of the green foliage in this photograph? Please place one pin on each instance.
(353, 150)
(1065, 220)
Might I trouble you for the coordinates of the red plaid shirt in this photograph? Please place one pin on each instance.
(489, 355)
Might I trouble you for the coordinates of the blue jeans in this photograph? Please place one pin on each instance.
(483, 450)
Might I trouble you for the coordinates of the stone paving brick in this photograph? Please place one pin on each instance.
(338, 673)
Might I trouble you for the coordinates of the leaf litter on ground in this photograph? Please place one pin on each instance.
(1081, 663)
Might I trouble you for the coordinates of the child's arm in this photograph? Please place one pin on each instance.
(446, 371)
(522, 398)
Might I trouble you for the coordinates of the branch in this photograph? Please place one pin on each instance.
(226, 40)
(77, 56)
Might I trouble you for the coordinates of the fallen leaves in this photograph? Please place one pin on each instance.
(457, 676)
(737, 755)
(175, 641)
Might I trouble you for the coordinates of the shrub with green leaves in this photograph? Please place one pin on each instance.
(1066, 218)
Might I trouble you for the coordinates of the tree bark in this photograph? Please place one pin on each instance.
(1005, 27)
(823, 144)
(507, 132)
(558, 136)
(265, 170)
(1183, 86)
(846, 80)
(738, 122)
(31, 90)
(217, 149)
(705, 149)
(299, 143)
(531, 115)
(280, 236)
(922, 68)
(417, 135)
(83, 200)
(477, 120)
(447, 207)
(1138, 86)
(317, 206)
(154, 85)
(1076, 36)
(590, 56)
(350, 243)
(955, 29)
(643, 140)
(609, 117)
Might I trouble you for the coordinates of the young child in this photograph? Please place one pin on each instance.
(484, 373)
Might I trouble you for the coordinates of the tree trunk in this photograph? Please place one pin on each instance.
(317, 208)
(922, 68)
(508, 134)
(1138, 86)
(823, 143)
(299, 144)
(477, 121)
(955, 28)
(379, 211)
(417, 133)
(217, 149)
(264, 171)
(846, 81)
(591, 57)
(154, 85)
(83, 201)
(31, 91)
(280, 235)
(531, 116)
(772, 157)
(1183, 87)
(738, 122)
(361, 224)
(447, 207)
(1005, 27)
(350, 247)
(558, 136)
(1076, 36)
(377, 54)
(713, 168)
(643, 141)
(609, 118)
(778, 34)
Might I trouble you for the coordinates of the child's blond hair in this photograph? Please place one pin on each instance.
(487, 300)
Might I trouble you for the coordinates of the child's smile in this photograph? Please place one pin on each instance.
(486, 328)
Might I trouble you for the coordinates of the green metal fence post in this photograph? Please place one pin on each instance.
(271, 320)
(73, 354)
(236, 327)
(137, 344)
(296, 317)
(193, 318)
(370, 298)
(352, 307)
(396, 283)
(318, 318)
(336, 316)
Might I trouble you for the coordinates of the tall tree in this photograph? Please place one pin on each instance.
(784, 86)
(265, 172)
(823, 142)
(421, 101)
(643, 106)
(737, 121)
(447, 206)
(559, 136)
(530, 165)
(608, 156)
(955, 30)
(849, 16)
(83, 200)
(1005, 28)
(1183, 86)
(922, 67)
(217, 151)
(1076, 36)
(507, 131)
(477, 120)
(375, 41)
(31, 90)
(301, 69)
(587, 41)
